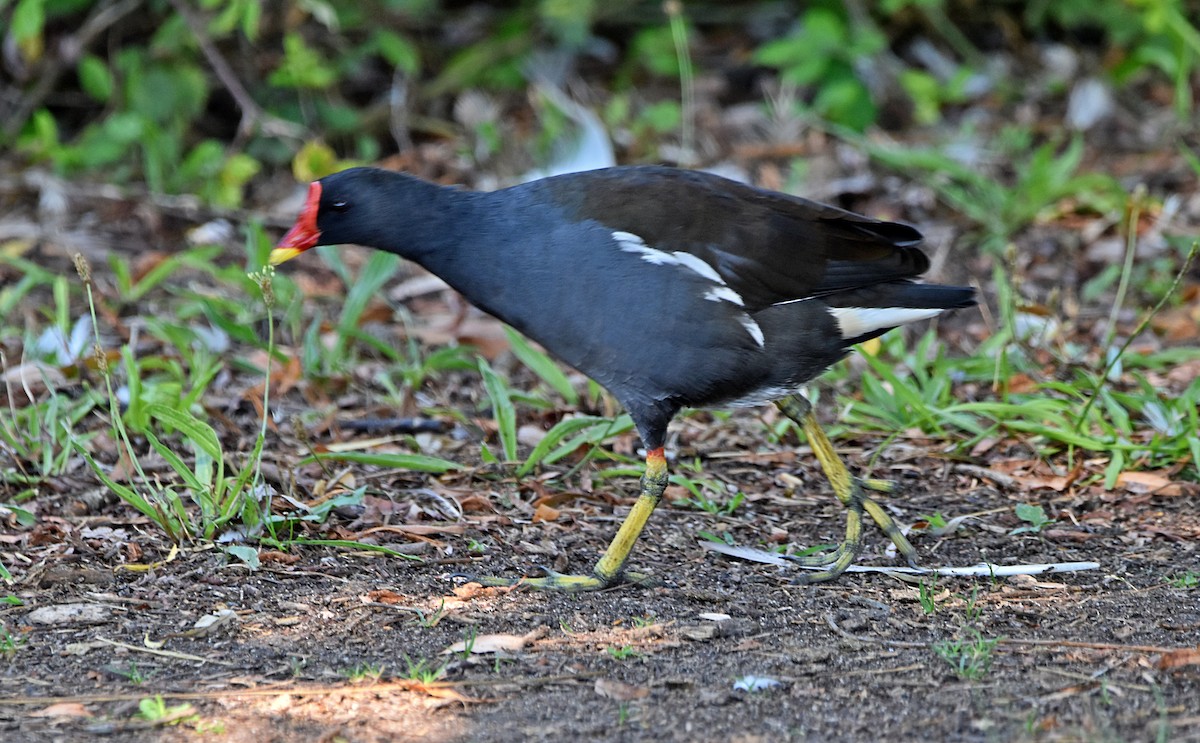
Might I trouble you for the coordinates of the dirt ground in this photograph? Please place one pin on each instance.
(341, 644)
(1083, 656)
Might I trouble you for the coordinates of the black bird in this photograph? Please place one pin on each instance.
(671, 288)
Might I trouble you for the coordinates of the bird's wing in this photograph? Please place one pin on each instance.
(766, 246)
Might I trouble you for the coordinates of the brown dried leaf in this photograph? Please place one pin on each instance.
(496, 643)
(277, 557)
(384, 596)
(1149, 482)
(63, 709)
(1179, 324)
(619, 690)
(1180, 658)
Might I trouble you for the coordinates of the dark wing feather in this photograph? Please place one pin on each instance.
(768, 247)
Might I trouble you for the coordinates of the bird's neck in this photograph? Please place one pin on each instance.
(436, 222)
(482, 244)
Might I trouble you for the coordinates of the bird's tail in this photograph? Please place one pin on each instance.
(865, 313)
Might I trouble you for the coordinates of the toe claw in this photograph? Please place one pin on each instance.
(877, 485)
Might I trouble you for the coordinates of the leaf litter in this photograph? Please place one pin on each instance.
(1110, 649)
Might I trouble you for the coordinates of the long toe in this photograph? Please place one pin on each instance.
(889, 526)
(822, 559)
(845, 559)
(877, 485)
(551, 581)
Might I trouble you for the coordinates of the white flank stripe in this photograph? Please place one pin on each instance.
(723, 294)
(753, 329)
(628, 239)
(856, 321)
(658, 257)
(698, 265)
(631, 243)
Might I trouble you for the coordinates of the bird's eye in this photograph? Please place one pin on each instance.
(340, 205)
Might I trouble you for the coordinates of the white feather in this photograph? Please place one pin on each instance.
(724, 294)
(698, 265)
(855, 321)
(753, 329)
(631, 243)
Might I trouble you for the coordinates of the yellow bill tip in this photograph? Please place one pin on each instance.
(279, 255)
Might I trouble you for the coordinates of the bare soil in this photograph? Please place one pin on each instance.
(1081, 656)
(337, 644)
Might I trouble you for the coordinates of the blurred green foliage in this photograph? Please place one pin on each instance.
(201, 96)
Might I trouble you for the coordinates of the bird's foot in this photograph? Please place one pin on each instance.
(836, 561)
(564, 582)
(819, 558)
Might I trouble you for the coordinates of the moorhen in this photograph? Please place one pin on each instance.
(671, 288)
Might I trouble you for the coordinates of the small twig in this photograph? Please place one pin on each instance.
(1095, 679)
(164, 653)
(983, 569)
(1001, 479)
(1092, 645)
(252, 113)
(833, 625)
(882, 671)
(398, 121)
(1153, 649)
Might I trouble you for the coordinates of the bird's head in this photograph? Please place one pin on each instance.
(350, 207)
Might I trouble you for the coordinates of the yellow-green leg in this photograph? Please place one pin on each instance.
(849, 490)
(609, 568)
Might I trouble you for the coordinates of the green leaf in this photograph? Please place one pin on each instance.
(23, 517)
(176, 462)
(1031, 512)
(555, 435)
(166, 520)
(380, 267)
(664, 116)
(542, 365)
(94, 77)
(314, 160)
(398, 51)
(199, 433)
(414, 462)
(486, 455)
(161, 270)
(302, 67)
(245, 553)
(238, 169)
(28, 19)
(502, 409)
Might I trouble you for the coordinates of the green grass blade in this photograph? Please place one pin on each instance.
(378, 271)
(591, 437)
(502, 409)
(542, 365)
(554, 437)
(193, 429)
(170, 522)
(185, 472)
(414, 462)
